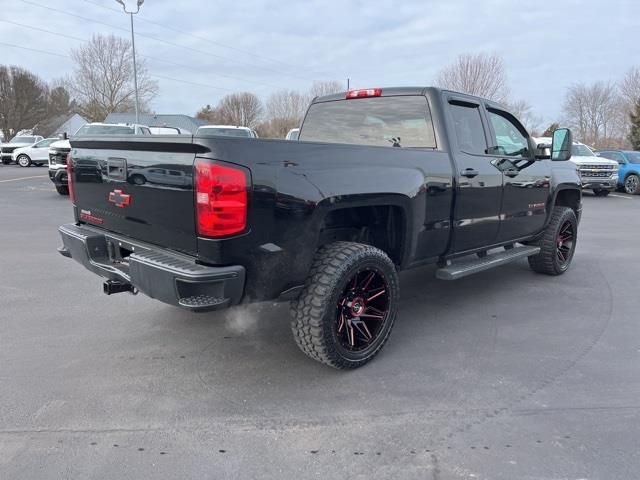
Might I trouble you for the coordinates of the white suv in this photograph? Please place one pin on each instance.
(596, 173)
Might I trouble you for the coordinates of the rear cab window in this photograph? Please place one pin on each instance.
(394, 121)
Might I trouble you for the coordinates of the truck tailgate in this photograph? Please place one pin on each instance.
(139, 187)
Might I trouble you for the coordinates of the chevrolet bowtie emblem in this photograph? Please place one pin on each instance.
(120, 199)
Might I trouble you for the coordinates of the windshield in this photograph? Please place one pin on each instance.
(402, 121)
(633, 157)
(23, 140)
(579, 150)
(223, 132)
(105, 130)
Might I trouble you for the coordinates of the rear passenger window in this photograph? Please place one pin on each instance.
(469, 129)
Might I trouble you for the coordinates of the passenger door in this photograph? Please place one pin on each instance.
(479, 182)
(527, 181)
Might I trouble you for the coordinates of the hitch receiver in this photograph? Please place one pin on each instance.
(111, 287)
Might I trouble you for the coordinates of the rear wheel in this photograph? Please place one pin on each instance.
(62, 189)
(347, 308)
(632, 184)
(557, 244)
(601, 193)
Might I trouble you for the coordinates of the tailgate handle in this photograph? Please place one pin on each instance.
(117, 168)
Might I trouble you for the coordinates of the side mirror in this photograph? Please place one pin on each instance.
(543, 151)
(561, 145)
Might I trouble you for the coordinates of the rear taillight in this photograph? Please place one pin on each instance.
(364, 93)
(72, 195)
(221, 198)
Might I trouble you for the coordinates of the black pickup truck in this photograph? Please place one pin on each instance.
(380, 180)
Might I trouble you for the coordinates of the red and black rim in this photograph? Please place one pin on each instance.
(362, 311)
(565, 242)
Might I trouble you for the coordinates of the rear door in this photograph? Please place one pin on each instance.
(128, 186)
(527, 182)
(479, 182)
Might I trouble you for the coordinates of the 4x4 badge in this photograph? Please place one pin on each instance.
(120, 199)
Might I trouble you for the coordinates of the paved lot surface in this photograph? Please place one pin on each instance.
(504, 375)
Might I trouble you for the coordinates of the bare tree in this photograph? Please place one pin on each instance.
(596, 113)
(285, 110)
(523, 111)
(23, 100)
(102, 80)
(483, 75)
(321, 88)
(240, 109)
(630, 87)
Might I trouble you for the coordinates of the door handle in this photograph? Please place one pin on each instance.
(469, 173)
(512, 172)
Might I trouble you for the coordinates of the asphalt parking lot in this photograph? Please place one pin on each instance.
(502, 375)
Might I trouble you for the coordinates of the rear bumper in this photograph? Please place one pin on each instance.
(161, 274)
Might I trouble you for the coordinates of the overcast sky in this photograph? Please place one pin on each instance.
(269, 45)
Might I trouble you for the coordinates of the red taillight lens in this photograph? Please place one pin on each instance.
(221, 198)
(72, 195)
(364, 93)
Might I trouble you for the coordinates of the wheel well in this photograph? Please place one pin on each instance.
(569, 198)
(381, 226)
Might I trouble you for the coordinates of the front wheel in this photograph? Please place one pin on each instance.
(62, 189)
(347, 308)
(23, 161)
(557, 244)
(632, 185)
(601, 193)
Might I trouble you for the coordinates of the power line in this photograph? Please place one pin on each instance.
(34, 50)
(197, 37)
(202, 52)
(144, 56)
(151, 75)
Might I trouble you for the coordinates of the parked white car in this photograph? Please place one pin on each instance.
(37, 154)
(6, 149)
(293, 134)
(597, 173)
(226, 131)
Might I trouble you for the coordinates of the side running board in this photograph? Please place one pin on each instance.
(474, 264)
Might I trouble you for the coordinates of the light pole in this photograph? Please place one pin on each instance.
(133, 46)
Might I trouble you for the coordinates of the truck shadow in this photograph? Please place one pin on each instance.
(449, 341)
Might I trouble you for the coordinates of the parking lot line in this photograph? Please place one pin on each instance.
(621, 196)
(22, 178)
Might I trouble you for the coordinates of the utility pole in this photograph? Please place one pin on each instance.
(133, 46)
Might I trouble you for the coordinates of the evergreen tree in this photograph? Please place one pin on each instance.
(550, 129)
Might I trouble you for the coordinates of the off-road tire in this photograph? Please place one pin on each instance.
(601, 193)
(314, 312)
(547, 260)
(62, 189)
